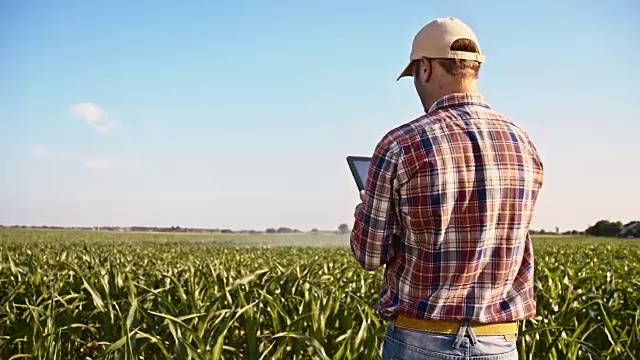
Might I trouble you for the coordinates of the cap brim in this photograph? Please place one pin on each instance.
(408, 71)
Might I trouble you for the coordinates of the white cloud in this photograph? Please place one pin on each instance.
(93, 115)
(42, 152)
(101, 163)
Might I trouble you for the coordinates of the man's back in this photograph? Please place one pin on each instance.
(465, 182)
(446, 208)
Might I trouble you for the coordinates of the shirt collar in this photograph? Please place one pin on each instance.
(459, 99)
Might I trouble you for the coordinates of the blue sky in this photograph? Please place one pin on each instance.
(240, 114)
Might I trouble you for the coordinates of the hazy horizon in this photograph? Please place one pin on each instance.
(240, 115)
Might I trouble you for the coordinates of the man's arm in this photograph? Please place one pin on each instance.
(376, 223)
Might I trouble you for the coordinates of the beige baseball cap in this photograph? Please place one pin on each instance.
(434, 41)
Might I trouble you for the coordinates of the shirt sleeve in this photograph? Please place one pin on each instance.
(376, 222)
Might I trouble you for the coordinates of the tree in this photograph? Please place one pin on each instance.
(343, 228)
(270, 231)
(605, 228)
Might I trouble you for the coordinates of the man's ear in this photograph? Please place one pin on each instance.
(423, 69)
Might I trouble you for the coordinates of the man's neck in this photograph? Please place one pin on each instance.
(452, 88)
(470, 86)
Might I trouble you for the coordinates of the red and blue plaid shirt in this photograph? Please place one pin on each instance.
(448, 202)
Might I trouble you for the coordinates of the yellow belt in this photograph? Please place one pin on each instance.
(452, 327)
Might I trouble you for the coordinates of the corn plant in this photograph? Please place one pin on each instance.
(92, 295)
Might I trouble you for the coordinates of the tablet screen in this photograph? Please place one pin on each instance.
(359, 166)
(363, 169)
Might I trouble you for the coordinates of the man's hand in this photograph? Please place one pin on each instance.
(355, 213)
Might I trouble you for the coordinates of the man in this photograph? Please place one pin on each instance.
(446, 208)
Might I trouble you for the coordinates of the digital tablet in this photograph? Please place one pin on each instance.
(359, 166)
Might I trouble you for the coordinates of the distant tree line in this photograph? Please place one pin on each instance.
(614, 228)
(282, 230)
(605, 228)
(557, 232)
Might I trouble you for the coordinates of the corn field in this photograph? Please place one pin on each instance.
(90, 295)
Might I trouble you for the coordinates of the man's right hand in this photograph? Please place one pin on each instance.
(355, 213)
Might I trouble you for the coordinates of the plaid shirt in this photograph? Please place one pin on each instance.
(448, 202)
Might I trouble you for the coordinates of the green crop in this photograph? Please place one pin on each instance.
(90, 295)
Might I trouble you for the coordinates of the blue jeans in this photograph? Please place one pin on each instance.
(404, 344)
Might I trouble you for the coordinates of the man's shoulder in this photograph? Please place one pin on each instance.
(407, 129)
(411, 131)
(431, 130)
